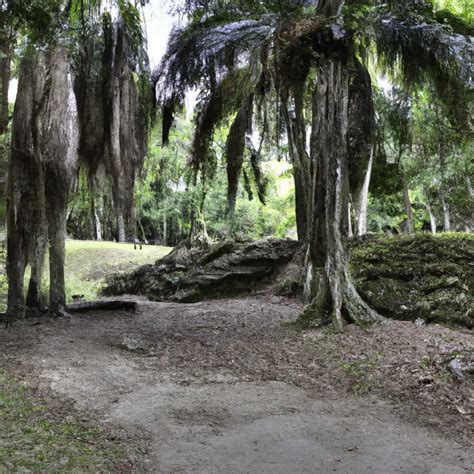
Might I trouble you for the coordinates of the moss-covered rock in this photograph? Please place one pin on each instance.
(404, 278)
(193, 275)
(427, 277)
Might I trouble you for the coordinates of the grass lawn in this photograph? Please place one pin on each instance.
(89, 262)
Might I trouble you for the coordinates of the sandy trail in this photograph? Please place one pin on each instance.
(223, 386)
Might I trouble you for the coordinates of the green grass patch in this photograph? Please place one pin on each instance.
(35, 439)
(89, 262)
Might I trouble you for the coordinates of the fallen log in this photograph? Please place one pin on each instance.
(83, 307)
(106, 305)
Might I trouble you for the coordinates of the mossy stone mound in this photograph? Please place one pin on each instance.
(424, 277)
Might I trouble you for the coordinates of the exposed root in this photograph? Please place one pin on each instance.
(338, 303)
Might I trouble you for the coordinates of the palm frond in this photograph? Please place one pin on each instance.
(429, 52)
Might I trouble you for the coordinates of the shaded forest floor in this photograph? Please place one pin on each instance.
(226, 385)
(223, 386)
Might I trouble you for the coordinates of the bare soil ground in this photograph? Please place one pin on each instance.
(225, 386)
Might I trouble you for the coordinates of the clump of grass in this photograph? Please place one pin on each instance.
(363, 373)
(34, 438)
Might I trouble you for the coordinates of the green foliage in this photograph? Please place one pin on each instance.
(39, 20)
(419, 144)
(165, 198)
(132, 21)
(455, 11)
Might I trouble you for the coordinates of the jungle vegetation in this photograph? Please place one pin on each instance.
(315, 119)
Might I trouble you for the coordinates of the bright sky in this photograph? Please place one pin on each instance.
(158, 24)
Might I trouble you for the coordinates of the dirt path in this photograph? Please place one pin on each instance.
(223, 386)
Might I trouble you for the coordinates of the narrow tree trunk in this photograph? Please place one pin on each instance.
(124, 126)
(5, 75)
(296, 130)
(98, 227)
(446, 215)
(334, 298)
(361, 203)
(350, 231)
(142, 230)
(432, 218)
(165, 227)
(410, 227)
(25, 203)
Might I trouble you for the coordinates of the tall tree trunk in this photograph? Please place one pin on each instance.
(296, 130)
(235, 149)
(165, 227)
(25, 183)
(360, 141)
(56, 142)
(121, 235)
(334, 298)
(350, 230)
(56, 208)
(125, 134)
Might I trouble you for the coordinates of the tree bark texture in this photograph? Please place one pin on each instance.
(333, 296)
(360, 141)
(432, 218)
(296, 131)
(446, 215)
(124, 128)
(43, 161)
(361, 201)
(5, 76)
(235, 149)
(26, 208)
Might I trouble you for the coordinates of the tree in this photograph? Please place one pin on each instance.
(308, 56)
(49, 132)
